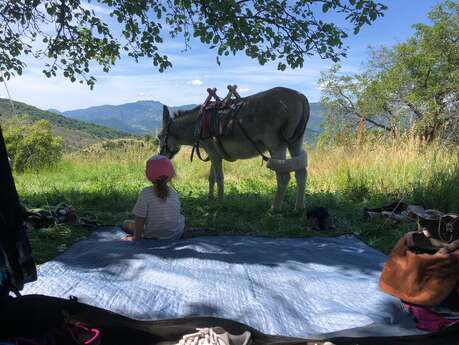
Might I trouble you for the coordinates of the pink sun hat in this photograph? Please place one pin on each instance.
(159, 166)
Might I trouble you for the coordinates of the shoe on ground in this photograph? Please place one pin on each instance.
(214, 336)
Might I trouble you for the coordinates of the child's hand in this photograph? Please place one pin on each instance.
(127, 238)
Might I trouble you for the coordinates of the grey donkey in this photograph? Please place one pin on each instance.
(272, 121)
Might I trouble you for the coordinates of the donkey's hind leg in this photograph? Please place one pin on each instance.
(300, 175)
(282, 178)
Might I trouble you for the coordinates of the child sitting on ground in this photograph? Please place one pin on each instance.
(157, 210)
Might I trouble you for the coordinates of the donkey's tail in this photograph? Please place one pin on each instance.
(301, 127)
(300, 161)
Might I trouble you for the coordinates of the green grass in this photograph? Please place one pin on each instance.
(104, 187)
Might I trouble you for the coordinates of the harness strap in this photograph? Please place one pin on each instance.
(254, 144)
(198, 153)
(216, 139)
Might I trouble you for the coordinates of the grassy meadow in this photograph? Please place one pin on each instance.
(103, 183)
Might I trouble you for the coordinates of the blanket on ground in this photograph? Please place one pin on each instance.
(422, 279)
(292, 287)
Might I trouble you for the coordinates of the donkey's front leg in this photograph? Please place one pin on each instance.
(218, 170)
(211, 181)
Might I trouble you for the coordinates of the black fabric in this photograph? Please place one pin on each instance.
(452, 301)
(16, 259)
(395, 207)
(418, 243)
(32, 314)
(38, 218)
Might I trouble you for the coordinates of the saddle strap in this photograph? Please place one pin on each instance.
(219, 146)
(254, 144)
(198, 153)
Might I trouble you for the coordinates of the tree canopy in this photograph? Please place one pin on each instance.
(412, 85)
(74, 38)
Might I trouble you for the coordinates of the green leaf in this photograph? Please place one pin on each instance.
(259, 28)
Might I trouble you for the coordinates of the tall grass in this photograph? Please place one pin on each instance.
(103, 186)
(426, 175)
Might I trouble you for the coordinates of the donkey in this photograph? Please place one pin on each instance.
(274, 120)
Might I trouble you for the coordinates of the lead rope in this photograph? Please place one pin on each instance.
(198, 153)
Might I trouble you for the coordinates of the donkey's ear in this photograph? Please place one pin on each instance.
(166, 116)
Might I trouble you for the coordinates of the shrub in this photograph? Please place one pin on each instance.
(32, 146)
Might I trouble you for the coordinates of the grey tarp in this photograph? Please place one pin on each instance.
(292, 287)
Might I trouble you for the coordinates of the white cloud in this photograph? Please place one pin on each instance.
(182, 84)
(174, 87)
(196, 82)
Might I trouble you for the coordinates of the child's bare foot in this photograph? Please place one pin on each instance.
(127, 238)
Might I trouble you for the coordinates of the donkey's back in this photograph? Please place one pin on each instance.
(276, 113)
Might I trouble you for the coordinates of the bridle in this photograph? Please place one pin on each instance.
(164, 148)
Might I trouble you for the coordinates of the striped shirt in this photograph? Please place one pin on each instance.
(163, 219)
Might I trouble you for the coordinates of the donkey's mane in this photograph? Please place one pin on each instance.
(183, 113)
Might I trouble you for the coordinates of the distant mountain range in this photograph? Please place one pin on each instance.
(146, 116)
(82, 127)
(139, 117)
(76, 134)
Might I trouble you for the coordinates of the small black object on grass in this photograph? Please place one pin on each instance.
(318, 218)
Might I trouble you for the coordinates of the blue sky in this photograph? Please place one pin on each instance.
(196, 69)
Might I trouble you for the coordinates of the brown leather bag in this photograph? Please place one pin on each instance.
(418, 277)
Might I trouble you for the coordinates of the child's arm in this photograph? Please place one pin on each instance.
(140, 212)
(139, 228)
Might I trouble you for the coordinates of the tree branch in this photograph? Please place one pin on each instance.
(410, 105)
(374, 122)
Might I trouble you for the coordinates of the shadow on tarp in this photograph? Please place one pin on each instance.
(293, 286)
(105, 249)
